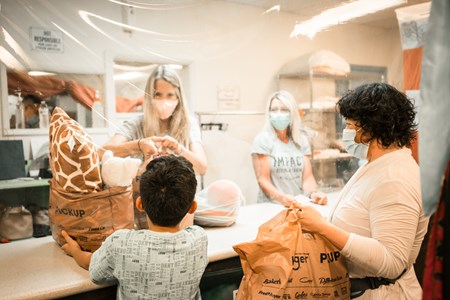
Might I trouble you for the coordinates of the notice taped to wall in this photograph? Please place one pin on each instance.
(46, 40)
(228, 98)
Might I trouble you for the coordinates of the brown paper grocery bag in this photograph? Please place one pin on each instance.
(89, 218)
(283, 262)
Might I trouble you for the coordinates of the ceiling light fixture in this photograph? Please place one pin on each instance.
(40, 73)
(130, 76)
(273, 8)
(342, 14)
(133, 68)
(175, 66)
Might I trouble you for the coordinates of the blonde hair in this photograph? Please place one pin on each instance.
(179, 125)
(294, 127)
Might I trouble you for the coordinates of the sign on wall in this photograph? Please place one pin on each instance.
(228, 98)
(46, 40)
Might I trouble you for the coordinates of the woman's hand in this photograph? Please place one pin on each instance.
(310, 218)
(287, 200)
(168, 143)
(319, 198)
(312, 221)
(148, 147)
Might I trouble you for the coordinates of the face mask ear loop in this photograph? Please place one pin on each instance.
(362, 142)
(367, 143)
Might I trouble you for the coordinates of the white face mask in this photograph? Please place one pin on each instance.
(353, 148)
(165, 107)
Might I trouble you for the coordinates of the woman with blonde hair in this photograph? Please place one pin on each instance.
(280, 155)
(165, 127)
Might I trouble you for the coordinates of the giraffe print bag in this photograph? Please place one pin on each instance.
(73, 155)
(77, 203)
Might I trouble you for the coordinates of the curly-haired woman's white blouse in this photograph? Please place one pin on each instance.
(381, 207)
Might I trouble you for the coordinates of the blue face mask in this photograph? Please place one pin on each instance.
(353, 148)
(280, 121)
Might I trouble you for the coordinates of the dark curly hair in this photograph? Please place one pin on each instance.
(382, 111)
(167, 189)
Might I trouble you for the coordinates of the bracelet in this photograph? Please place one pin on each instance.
(309, 194)
(139, 144)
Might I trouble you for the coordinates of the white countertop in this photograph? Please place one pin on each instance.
(37, 268)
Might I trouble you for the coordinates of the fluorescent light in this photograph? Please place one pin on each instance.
(131, 68)
(40, 73)
(130, 76)
(138, 72)
(273, 8)
(341, 14)
(175, 66)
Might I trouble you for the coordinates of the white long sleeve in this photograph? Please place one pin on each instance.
(381, 208)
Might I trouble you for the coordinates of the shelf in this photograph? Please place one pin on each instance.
(22, 183)
(307, 76)
(208, 113)
(344, 156)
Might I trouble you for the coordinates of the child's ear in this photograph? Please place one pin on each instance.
(139, 204)
(193, 207)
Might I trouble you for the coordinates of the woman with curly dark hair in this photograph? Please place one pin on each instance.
(378, 221)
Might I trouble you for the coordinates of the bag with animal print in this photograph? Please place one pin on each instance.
(283, 262)
(89, 218)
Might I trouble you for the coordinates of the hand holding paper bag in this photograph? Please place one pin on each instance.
(283, 262)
